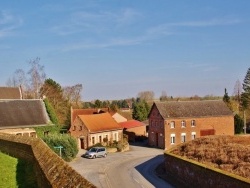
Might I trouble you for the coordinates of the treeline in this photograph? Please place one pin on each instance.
(59, 99)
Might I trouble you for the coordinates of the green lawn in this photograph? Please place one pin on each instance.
(15, 173)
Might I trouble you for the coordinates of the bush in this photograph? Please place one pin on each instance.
(69, 144)
(51, 112)
(50, 129)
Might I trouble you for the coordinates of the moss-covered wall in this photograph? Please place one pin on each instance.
(50, 169)
(193, 174)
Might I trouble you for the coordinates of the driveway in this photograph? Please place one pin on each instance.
(133, 169)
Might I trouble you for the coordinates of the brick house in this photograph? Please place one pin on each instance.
(133, 129)
(95, 128)
(174, 122)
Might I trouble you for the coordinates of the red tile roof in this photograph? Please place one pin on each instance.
(131, 124)
(89, 111)
(99, 122)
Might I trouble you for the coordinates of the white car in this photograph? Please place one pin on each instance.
(96, 152)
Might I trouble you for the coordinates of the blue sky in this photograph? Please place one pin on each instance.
(116, 49)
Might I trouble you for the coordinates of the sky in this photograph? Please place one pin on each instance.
(117, 49)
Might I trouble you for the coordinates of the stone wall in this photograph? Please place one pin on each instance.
(50, 170)
(187, 173)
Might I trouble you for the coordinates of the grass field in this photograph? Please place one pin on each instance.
(15, 173)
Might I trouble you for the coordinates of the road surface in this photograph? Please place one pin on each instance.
(131, 169)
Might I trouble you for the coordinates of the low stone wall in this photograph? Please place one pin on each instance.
(188, 173)
(50, 170)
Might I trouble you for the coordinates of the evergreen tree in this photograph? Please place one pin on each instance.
(226, 98)
(140, 110)
(238, 124)
(245, 97)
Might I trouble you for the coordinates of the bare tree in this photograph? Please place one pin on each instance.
(73, 94)
(37, 76)
(237, 90)
(146, 95)
(18, 79)
(163, 96)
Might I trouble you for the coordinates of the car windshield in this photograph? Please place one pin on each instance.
(93, 149)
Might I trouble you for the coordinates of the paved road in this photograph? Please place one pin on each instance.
(133, 169)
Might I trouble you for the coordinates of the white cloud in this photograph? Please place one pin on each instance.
(8, 23)
(207, 23)
(100, 21)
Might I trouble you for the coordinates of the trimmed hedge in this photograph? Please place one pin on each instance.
(68, 143)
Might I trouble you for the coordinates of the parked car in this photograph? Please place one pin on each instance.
(96, 152)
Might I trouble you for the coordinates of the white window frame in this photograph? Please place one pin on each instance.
(115, 136)
(183, 124)
(172, 124)
(172, 139)
(193, 135)
(183, 137)
(100, 141)
(193, 123)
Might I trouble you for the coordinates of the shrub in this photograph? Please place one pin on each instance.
(69, 144)
(51, 112)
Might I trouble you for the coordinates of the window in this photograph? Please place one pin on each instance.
(106, 138)
(193, 135)
(115, 136)
(80, 128)
(183, 123)
(172, 124)
(183, 137)
(193, 123)
(172, 138)
(93, 140)
(100, 139)
(74, 128)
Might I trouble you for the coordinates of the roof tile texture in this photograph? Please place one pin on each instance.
(180, 109)
(99, 122)
(10, 93)
(22, 113)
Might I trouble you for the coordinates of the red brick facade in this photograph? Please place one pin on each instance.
(167, 132)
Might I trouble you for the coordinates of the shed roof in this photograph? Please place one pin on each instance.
(131, 124)
(99, 122)
(179, 109)
(22, 113)
(10, 93)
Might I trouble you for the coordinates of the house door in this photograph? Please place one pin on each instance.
(82, 143)
(156, 139)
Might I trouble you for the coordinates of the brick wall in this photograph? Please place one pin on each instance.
(186, 173)
(50, 170)
(156, 136)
